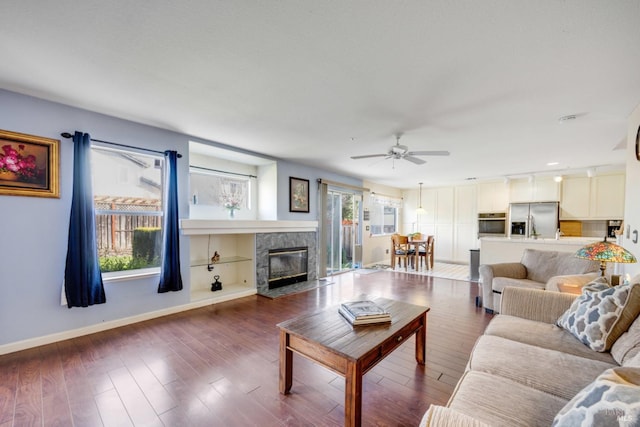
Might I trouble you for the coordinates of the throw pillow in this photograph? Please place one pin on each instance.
(612, 399)
(602, 313)
(628, 345)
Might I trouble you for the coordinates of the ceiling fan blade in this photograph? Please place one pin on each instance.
(368, 156)
(428, 153)
(415, 160)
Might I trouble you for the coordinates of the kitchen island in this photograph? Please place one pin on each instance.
(505, 249)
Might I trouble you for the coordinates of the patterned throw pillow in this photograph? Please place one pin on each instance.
(602, 313)
(612, 399)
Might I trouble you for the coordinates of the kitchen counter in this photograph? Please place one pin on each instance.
(504, 249)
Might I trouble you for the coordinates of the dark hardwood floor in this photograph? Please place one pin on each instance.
(218, 365)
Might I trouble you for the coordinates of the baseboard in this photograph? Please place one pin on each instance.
(92, 329)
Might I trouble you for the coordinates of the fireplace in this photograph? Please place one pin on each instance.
(287, 266)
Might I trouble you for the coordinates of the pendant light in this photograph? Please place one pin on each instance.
(420, 210)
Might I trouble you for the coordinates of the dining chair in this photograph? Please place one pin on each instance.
(425, 252)
(401, 250)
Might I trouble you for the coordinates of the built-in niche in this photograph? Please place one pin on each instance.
(224, 184)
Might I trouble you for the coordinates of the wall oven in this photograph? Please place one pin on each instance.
(492, 224)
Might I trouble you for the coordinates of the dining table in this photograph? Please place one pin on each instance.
(416, 244)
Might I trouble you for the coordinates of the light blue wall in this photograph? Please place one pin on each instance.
(286, 170)
(33, 230)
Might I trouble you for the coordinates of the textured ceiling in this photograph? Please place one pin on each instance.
(316, 82)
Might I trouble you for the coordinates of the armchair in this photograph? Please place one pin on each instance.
(537, 270)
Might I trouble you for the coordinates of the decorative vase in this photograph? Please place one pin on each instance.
(8, 176)
(232, 213)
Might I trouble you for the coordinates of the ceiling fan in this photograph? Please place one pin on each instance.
(401, 152)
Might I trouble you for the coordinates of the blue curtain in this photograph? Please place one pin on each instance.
(82, 278)
(170, 279)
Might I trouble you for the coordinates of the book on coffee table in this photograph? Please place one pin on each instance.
(364, 312)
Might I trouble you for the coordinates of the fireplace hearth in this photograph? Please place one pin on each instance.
(287, 266)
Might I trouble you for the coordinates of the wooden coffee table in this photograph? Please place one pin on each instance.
(330, 340)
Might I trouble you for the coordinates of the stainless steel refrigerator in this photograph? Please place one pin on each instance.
(539, 218)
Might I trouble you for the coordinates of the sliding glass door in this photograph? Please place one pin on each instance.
(343, 237)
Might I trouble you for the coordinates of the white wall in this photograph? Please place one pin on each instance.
(267, 192)
(632, 196)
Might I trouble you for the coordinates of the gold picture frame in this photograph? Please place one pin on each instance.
(29, 165)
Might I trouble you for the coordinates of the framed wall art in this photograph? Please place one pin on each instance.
(298, 195)
(29, 165)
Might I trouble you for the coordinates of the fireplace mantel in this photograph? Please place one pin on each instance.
(207, 226)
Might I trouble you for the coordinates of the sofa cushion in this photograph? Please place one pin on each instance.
(499, 283)
(499, 401)
(554, 372)
(545, 335)
(543, 265)
(628, 345)
(612, 399)
(574, 280)
(602, 313)
(632, 362)
(441, 416)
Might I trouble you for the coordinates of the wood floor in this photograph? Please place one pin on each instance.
(218, 365)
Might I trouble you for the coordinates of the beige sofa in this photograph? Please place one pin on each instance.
(537, 270)
(525, 370)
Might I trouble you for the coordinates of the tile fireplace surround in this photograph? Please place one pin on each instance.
(268, 235)
(266, 241)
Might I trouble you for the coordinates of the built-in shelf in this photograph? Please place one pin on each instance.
(235, 268)
(228, 292)
(208, 226)
(225, 260)
(235, 241)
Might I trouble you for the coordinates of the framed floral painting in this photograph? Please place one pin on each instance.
(29, 165)
(298, 195)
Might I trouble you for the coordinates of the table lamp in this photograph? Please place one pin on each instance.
(605, 252)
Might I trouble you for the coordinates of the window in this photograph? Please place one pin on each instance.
(383, 215)
(127, 188)
(218, 189)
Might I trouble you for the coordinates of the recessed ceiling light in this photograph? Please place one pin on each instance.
(553, 163)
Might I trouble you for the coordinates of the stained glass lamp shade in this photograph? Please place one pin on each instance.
(605, 252)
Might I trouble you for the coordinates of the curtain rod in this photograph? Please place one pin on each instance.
(389, 196)
(339, 184)
(68, 136)
(217, 170)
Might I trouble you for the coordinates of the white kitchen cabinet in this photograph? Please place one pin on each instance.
(444, 242)
(445, 205)
(493, 197)
(520, 190)
(537, 189)
(600, 197)
(466, 212)
(576, 197)
(465, 239)
(607, 197)
(546, 189)
(448, 209)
